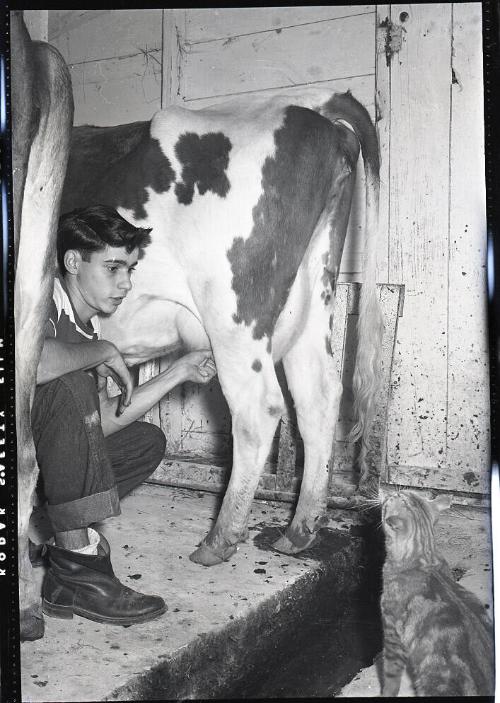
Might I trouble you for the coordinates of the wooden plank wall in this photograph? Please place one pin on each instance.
(468, 393)
(115, 60)
(252, 52)
(429, 101)
(418, 249)
(438, 419)
(37, 24)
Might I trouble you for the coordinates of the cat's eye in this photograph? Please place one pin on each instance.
(394, 522)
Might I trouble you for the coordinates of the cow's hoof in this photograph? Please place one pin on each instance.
(244, 535)
(207, 556)
(286, 546)
(31, 624)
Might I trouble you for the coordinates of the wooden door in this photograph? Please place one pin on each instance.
(432, 143)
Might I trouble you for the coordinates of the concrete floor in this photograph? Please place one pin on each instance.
(151, 540)
(84, 661)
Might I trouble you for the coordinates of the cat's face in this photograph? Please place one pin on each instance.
(408, 521)
(397, 521)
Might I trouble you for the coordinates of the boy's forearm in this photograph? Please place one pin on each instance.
(58, 358)
(143, 399)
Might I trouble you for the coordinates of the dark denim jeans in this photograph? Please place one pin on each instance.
(85, 474)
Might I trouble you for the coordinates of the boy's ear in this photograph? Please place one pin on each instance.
(72, 259)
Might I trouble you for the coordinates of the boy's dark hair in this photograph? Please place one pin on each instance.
(93, 228)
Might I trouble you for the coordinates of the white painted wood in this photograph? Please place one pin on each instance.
(170, 409)
(467, 457)
(146, 372)
(419, 189)
(297, 55)
(392, 306)
(116, 91)
(383, 124)
(206, 421)
(173, 30)
(215, 410)
(360, 86)
(220, 23)
(88, 35)
(115, 61)
(37, 24)
(206, 476)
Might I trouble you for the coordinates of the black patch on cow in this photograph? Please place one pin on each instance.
(295, 183)
(257, 365)
(204, 162)
(114, 166)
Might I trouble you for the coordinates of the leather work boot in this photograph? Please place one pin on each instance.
(79, 584)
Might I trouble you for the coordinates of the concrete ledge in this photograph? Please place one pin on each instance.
(221, 621)
(213, 664)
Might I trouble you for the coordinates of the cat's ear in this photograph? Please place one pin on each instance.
(441, 503)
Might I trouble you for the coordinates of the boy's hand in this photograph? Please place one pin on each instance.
(115, 367)
(198, 366)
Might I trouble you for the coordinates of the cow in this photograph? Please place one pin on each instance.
(248, 201)
(42, 115)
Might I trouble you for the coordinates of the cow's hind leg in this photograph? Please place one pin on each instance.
(310, 370)
(316, 390)
(256, 403)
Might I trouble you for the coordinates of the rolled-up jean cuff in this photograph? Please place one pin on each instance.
(84, 511)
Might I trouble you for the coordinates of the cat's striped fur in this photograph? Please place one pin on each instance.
(432, 625)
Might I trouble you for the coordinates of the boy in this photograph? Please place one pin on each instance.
(91, 450)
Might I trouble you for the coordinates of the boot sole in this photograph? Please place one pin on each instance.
(66, 612)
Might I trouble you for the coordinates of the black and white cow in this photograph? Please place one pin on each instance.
(249, 202)
(42, 115)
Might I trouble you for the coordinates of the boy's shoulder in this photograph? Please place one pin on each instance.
(67, 326)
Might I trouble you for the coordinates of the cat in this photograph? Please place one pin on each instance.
(432, 625)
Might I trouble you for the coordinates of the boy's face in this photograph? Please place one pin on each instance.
(101, 283)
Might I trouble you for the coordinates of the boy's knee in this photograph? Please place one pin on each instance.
(79, 382)
(71, 397)
(156, 440)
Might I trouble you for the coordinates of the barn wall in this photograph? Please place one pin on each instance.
(439, 413)
(432, 207)
(37, 24)
(115, 61)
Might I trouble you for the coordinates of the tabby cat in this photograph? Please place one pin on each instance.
(432, 625)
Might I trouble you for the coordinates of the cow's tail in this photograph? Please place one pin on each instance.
(370, 323)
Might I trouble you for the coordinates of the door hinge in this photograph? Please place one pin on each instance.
(391, 40)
